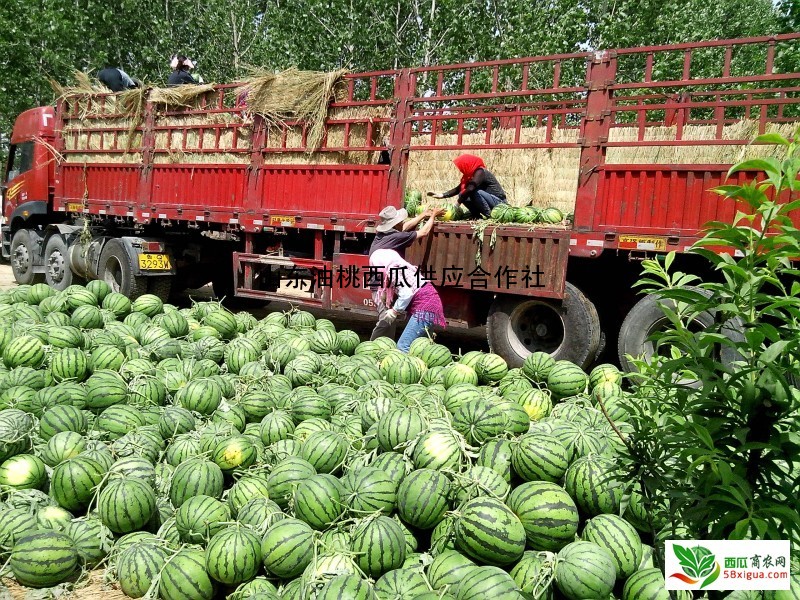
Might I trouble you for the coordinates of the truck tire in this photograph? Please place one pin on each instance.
(58, 274)
(23, 252)
(646, 318)
(568, 329)
(160, 286)
(116, 269)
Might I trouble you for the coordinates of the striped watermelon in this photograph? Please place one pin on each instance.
(65, 336)
(200, 518)
(619, 537)
(530, 572)
(115, 421)
(318, 502)
(126, 505)
(62, 418)
(398, 427)
(486, 582)
(138, 566)
(23, 351)
(347, 341)
(43, 559)
(284, 478)
(87, 317)
(62, 446)
(99, 288)
(646, 584)
(349, 586)
(287, 548)
(233, 555)
(379, 545)
(604, 373)
(326, 451)
(174, 421)
(459, 373)
(260, 514)
(491, 368)
(201, 395)
(135, 468)
(92, 539)
(148, 304)
(437, 449)
(184, 577)
(536, 402)
(480, 481)
(235, 452)
(105, 388)
(548, 514)
(539, 457)
(479, 420)
(585, 571)
(147, 391)
(275, 426)
(74, 481)
(402, 583)
(537, 366)
(23, 471)
(448, 568)
(423, 497)
(118, 304)
(591, 482)
(489, 532)
(196, 477)
(246, 489)
(496, 455)
(566, 379)
(69, 363)
(369, 490)
(223, 321)
(52, 517)
(260, 587)
(106, 357)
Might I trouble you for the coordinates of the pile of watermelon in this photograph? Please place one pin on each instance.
(196, 453)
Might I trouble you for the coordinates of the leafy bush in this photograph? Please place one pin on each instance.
(715, 417)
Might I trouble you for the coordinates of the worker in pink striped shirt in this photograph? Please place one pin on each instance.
(401, 288)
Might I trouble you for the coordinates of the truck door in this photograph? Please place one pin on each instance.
(17, 180)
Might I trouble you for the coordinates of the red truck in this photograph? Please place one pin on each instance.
(628, 141)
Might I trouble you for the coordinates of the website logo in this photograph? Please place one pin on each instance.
(727, 565)
(698, 565)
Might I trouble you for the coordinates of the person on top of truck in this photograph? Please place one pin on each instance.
(116, 79)
(402, 288)
(396, 232)
(478, 190)
(180, 71)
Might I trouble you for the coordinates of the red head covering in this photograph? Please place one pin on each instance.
(468, 164)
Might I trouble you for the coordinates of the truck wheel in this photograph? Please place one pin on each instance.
(567, 330)
(116, 269)
(57, 274)
(23, 251)
(646, 318)
(160, 286)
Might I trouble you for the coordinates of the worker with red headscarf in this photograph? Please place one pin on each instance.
(479, 190)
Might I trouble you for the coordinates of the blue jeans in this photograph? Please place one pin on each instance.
(481, 203)
(417, 326)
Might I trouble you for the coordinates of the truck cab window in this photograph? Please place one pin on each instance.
(20, 159)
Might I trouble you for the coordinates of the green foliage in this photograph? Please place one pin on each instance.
(715, 437)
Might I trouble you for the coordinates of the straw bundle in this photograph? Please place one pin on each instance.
(294, 95)
(539, 176)
(746, 129)
(180, 96)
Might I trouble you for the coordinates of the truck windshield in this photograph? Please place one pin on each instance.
(20, 159)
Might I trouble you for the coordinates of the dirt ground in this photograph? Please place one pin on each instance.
(92, 588)
(457, 339)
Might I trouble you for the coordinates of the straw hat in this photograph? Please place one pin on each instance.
(390, 216)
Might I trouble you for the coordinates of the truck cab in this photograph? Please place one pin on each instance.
(26, 191)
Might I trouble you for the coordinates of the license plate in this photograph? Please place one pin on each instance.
(154, 262)
(74, 207)
(640, 242)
